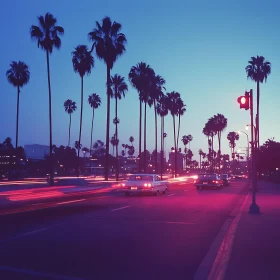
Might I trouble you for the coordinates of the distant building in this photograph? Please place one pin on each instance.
(36, 152)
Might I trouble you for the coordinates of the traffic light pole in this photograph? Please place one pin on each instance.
(254, 208)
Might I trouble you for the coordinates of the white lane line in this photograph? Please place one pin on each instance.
(120, 208)
(71, 201)
(171, 194)
(37, 273)
(22, 235)
(178, 223)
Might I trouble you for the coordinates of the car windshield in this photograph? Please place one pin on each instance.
(140, 178)
(208, 177)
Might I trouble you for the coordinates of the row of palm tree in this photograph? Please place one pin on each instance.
(214, 127)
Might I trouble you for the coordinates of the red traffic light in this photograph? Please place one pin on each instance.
(244, 101)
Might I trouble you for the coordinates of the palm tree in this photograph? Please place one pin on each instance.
(113, 141)
(201, 153)
(155, 94)
(185, 141)
(181, 111)
(83, 62)
(94, 101)
(232, 137)
(69, 107)
(220, 124)
(123, 153)
(18, 75)
(173, 101)
(164, 136)
(162, 111)
(139, 77)
(190, 138)
(210, 133)
(118, 89)
(131, 140)
(109, 44)
(47, 37)
(257, 70)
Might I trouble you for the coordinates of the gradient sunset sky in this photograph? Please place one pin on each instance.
(200, 47)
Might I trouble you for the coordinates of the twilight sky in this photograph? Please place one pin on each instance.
(200, 47)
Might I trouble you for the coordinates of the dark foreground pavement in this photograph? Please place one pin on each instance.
(116, 237)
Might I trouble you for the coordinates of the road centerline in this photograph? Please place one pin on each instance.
(120, 208)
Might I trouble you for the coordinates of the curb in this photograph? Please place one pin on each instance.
(214, 264)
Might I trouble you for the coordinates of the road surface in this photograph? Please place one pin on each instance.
(110, 236)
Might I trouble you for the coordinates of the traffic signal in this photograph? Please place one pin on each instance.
(244, 101)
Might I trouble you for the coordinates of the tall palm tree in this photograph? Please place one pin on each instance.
(220, 124)
(131, 140)
(185, 141)
(118, 89)
(18, 75)
(210, 133)
(139, 77)
(174, 100)
(155, 93)
(69, 107)
(83, 62)
(109, 44)
(190, 138)
(113, 142)
(201, 153)
(162, 111)
(232, 137)
(257, 70)
(47, 37)
(94, 101)
(181, 111)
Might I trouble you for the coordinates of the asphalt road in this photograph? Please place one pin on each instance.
(111, 236)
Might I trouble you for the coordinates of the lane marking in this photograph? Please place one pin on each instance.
(171, 194)
(186, 190)
(38, 273)
(120, 208)
(178, 223)
(71, 201)
(23, 235)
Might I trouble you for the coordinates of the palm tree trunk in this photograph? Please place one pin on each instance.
(258, 115)
(163, 138)
(212, 153)
(200, 162)
(18, 91)
(107, 126)
(81, 122)
(69, 130)
(219, 152)
(174, 131)
(155, 111)
(50, 120)
(178, 132)
(90, 148)
(117, 156)
(145, 137)
(140, 135)
(161, 147)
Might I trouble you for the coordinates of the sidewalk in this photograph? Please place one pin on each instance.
(256, 248)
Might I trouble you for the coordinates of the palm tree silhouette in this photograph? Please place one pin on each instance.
(185, 140)
(257, 70)
(232, 137)
(181, 111)
(69, 107)
(210, 132)
(190, 138)
(220, 124)
(47, 37)
(109, 44)
(139, 77)
(94, 101)
(131, 140)
(174, 100)
(118, 89)
(201, 154)
(18, 75)
(157, 85)
(83, 62)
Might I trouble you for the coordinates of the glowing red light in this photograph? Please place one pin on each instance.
(243, 100)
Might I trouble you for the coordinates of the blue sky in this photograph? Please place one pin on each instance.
(200, 47)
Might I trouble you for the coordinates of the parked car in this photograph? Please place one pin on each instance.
(145, 183)
(208, 180)
(226, 180)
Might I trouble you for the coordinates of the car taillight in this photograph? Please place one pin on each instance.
(147, 185)
(122, 185)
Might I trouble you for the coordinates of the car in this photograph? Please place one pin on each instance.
(208, 180)
(226, 180)
(145, 183)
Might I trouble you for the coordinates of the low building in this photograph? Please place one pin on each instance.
(36, 151)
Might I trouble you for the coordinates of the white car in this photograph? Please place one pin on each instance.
(145, 183)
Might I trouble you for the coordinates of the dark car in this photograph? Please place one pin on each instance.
(208, 180)
(225, 179)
